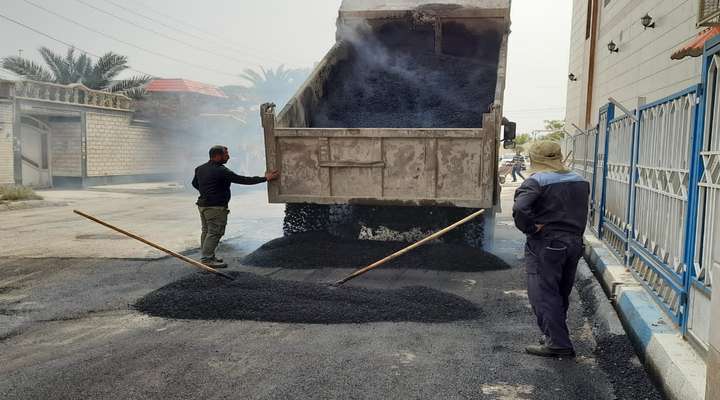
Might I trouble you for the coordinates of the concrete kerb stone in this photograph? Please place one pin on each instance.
(610, 271)
(673, 362)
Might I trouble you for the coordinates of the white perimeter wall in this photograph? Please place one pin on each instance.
(117, 147)
(6, 143)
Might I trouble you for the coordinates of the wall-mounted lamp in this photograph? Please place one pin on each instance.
(572, 77)
(613, 47)
(647, 21)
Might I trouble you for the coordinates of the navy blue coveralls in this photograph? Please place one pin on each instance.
(559, 203)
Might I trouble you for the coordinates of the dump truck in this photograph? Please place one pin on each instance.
(397, 130)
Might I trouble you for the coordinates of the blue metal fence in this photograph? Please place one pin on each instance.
(641, 190)
(655, 198)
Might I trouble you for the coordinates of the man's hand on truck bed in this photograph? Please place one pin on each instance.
(272, 175)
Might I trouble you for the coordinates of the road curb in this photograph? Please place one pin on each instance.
(670, 359)
(603, 316)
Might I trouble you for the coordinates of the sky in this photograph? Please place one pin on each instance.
(214, 40)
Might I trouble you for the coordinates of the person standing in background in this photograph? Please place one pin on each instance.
(517, 163)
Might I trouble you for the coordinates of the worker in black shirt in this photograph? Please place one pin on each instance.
(213, 180)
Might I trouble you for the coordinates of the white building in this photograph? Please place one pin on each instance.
(640, 52)
(642, 64)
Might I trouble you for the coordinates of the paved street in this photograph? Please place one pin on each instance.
(69, 330)
(170, 219)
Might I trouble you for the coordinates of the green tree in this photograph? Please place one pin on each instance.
(71, 68)
(556, 130)
(523, 139)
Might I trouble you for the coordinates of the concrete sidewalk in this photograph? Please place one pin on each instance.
(672, 360)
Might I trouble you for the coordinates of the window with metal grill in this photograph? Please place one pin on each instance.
(709, 12)
(588, 24)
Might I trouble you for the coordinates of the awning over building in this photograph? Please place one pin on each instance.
(184, 86)
(695, 47)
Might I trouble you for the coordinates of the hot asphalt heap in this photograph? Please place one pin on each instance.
(322, 250)
(431, 92)
(394, 79)
(252, 297)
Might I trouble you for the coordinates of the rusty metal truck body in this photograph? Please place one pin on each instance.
(399, 166)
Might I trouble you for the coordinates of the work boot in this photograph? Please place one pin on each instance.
(544, 351)
(213, 263)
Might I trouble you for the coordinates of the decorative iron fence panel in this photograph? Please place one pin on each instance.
(580, 153)
(707, 250)
(617, 197)
(657, 242)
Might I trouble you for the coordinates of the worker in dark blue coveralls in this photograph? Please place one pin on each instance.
(551, 208)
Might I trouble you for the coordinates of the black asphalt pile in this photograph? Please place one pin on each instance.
(322, 250)
(422, 91)
(252, 297)
(392, 78)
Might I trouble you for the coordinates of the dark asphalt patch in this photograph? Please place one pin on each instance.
(257, 298)
(616, 355)
(322, 250)
(617, 358)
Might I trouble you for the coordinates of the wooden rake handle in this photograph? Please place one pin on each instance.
(409, 248)
(188, 260)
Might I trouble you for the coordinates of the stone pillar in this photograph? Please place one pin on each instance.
(713, 357)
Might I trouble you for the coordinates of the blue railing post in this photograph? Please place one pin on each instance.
(693, 202)
(634, 157)
(609, 116)
(593, 201)
(628, 229)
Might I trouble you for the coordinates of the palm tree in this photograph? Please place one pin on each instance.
(71, 68)
(275, 85)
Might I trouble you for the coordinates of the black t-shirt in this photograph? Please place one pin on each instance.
(213, 181)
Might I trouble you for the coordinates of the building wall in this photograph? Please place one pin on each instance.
(643, 67)
(117, 147)
(576, 91)
(6, 143)
(66, 147)
(713, 357)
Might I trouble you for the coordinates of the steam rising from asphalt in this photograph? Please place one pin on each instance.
(393, 79)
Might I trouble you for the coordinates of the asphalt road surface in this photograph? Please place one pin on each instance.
(69, 330)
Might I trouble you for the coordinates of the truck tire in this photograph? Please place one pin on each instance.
(303, 217)
(489, 230)
(342, 221)
(471, 233)
(474, 232)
